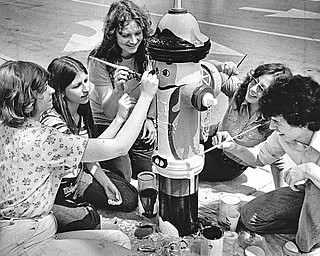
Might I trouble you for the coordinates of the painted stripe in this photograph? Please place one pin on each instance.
(261, 31)
(85, 2)
(226, 26)
(4, 57)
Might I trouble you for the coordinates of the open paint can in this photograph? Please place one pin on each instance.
(228, 202)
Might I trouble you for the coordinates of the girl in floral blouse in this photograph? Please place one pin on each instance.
(33, 158)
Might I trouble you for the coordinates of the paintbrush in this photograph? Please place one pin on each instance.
(232, 138)
(237, 67)
(150, 72)
(116, 66)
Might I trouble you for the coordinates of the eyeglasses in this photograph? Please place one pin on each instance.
(254, 82)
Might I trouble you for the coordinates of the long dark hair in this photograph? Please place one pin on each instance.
(278, 70)
(119, 15)
(63, 71)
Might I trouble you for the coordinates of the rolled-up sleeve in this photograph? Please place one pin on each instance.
(270, 150)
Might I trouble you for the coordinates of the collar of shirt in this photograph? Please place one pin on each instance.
(315, 141)
(244, 111)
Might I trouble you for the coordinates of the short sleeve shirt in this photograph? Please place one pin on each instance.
(32, 163)
(99, 76)
(275, 147)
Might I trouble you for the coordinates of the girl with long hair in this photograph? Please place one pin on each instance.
(126, 30)
(241, 115)
(87, 186)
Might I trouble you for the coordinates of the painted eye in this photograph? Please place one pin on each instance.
(166, 72)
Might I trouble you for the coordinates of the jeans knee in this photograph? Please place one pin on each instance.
(90, 221)
(129, 204)
(249, 218)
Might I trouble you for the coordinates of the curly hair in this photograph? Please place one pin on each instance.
(63, 71)
(297, 100)
(119, 15)
(21, 82)
(278, 70)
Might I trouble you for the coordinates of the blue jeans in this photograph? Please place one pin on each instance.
(286, 211)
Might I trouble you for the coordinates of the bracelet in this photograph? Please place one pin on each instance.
(151, 118)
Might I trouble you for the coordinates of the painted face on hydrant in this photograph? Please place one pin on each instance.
(178, 120)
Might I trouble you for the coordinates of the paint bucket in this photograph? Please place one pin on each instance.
(213, 241)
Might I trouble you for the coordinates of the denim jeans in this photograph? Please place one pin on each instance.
(286, 211)
(137, 160)
(141, 160)
(78, 212)
(218, 166)
(37, 237)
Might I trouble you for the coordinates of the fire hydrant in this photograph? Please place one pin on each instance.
(178, 47)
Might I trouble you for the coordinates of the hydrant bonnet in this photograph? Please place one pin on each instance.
(178, 39)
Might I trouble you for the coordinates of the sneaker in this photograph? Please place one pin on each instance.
(291, 249)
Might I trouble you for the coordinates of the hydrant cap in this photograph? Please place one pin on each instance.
(183, 25)
(178, 39)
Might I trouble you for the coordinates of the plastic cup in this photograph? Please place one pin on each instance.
(233, 217)
(146, 179)
(228, 202)
(148, 194)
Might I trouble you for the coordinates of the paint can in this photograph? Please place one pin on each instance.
(228, 202)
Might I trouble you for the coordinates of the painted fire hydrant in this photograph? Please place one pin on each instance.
(177, 48)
